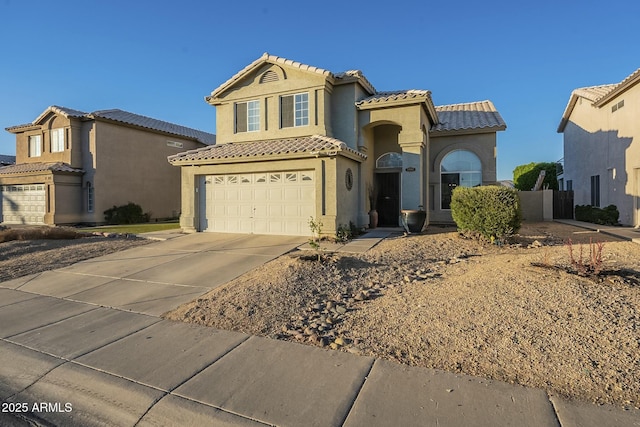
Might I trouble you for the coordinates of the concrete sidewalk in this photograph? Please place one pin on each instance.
(626, 233)
(359, 245)
(74, 354)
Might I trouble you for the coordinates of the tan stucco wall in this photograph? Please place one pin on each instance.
(600, 142)
(63, 195)
(291, 81)
(70, 155)
(482, 145)
(327, 170)
(130, 165)
(349, 203)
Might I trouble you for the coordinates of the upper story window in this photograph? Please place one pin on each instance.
(35, 146)
(248, 116)
(294, 110)
(57, 140)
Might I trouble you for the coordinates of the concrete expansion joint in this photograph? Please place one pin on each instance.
(170, 391)
(52, 323)
(555, 410)
(117, 278)
(355, 399)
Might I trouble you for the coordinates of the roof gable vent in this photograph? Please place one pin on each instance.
(269, 76)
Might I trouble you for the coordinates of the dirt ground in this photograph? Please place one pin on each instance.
(515, 312)
(23, 257)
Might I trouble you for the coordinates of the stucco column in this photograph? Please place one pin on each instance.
(190, 192)
(413, 153)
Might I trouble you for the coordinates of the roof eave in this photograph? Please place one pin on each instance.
(21, 128)
(91, 116)
(625, 85)
(567, 112)
(264, 59)
(467, 131)
(359, 157)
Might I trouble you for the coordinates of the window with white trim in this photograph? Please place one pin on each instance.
(35, 146)
(458, 168)
(294, 110)
(248, 116)
(57, 140)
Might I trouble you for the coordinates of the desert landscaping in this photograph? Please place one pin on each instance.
(517, 312)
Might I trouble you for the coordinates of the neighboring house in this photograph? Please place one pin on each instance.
(7, 160)
(601, 127)
(71, 166)
(296, 141)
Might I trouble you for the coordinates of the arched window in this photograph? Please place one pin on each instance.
(389, 160)
(459, 167)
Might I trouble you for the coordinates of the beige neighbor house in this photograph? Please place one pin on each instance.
(296, 141)
(601, 129)
(71, 166)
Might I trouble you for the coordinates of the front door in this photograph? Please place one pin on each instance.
(449, 182)
(388, 206)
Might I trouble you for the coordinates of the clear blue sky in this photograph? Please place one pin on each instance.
(161, 58)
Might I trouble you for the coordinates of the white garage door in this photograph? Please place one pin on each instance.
(260, 203)
(23, 204)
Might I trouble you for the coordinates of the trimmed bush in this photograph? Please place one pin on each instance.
(602, 216)
(130, 213)
(491, 211)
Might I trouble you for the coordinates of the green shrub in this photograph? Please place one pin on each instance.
(602, 216)
(491, 211)
(130, 213)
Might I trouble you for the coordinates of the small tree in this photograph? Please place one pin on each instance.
(316, 229)
(525, 176)
(491, 211)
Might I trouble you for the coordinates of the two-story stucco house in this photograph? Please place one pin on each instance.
(601, 130)
(71, 166)
(297, 141)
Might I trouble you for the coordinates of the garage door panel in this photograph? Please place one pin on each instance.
(262, 203)
(276, 194)
(22, 204)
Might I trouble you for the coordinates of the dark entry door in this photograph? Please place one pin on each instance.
(449, 182)
(388, 199)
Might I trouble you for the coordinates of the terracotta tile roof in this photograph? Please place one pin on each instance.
(593, 93)
(468, 116)
(597, 95)
(154, 124)
(257, 63)
(7, 160)
(307, 146)
(629, 81)
(128, 118)
(38, 167)
(351, 75)
(267, 58)
(382, 97)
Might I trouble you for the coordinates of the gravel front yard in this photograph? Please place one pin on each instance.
(440, 301)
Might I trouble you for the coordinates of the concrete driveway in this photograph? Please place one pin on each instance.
(158, 277)
(84, 346)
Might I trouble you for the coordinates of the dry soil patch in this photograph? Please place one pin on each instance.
(440, 301)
